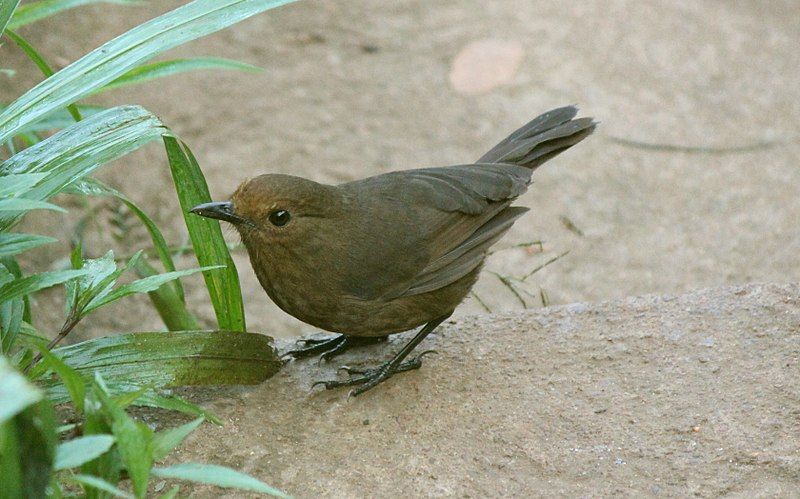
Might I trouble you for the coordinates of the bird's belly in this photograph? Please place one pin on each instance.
(326, 309)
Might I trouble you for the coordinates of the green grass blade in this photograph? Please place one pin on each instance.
(169, 305)
(36, 11)
(173, 403)
(16, 393)
(43, 66)
(58, 119)
(216, 475)
(80, 149)
(144, 285)
(33, 283)
(15, 185)
(7, 8)
(72, 381)
(19, 205)
(166, 441)
(93, 187)
(12, 243)
(12, 266)
(77, 451)
(116, 57)
(172, 359)
(161, 69)
(99, 484)
(206, 236)
(11, 313)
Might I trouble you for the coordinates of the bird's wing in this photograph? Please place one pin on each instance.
(445, 220)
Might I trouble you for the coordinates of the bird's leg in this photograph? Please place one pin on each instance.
(370, 378)
(331, 347)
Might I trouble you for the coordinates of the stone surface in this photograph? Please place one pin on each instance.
(697, 394)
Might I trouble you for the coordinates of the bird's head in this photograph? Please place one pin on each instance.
(275, 209)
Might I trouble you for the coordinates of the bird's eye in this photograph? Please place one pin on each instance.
(279, 218)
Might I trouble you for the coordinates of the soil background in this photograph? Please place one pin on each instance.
(691, 181)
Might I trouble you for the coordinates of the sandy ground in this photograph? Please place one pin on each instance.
(696, 394)
(357, 88)
(666, 396)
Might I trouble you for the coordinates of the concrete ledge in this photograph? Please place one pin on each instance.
(692, 394)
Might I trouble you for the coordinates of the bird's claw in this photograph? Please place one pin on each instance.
(370, 378)
(317, 346)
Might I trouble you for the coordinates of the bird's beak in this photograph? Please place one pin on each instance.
(221, 210)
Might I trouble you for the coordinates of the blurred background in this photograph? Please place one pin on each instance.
(691, 180)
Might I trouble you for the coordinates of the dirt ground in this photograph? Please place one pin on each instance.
(690, 182)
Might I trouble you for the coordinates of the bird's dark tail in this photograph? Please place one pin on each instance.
(542, 138)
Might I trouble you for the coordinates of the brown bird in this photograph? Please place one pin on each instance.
(388, 253)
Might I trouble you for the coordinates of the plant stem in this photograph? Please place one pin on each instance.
(68, 326)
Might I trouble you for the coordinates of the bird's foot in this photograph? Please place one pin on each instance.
(370, 378)
(331, 347)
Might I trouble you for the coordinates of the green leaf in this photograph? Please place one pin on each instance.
(33, 283)
(133, 442)
(140, 286)
(77, 451)
(11, 264)
(101, 274)
(58, 119)
(98, 416)
(167, 302)
(42, 64)
(81, 148)
(75, 385)
(99, 484)
(16, 393)
(173, 403)
(13, 243)
(126, 399)
(116, 57)
(171, 359)
(22, 204)
(11, 314)
(161, 69)
(216, 475)
(35, 11)
(93, 187)
(7, 8)
(14, 185)
(27, 436)
(206, 236)
(166, 441)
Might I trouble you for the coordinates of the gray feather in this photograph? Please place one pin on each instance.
(541, 139)
(465, 257)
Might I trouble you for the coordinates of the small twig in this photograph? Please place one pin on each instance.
(505, 280)
(545, 264)
(482, 303)
(570, 225)
(545, 298)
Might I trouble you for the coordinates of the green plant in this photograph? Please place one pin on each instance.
(34, 464)
(53, 144)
